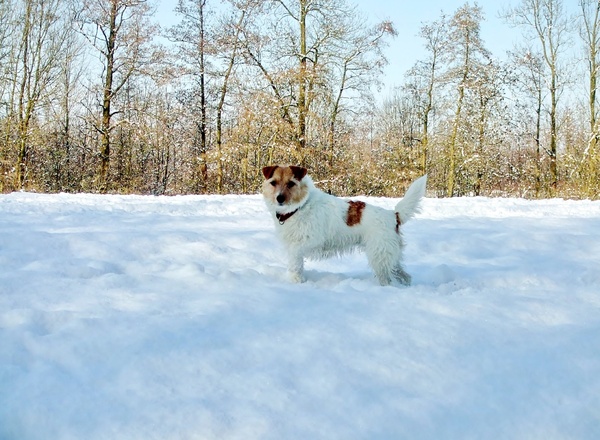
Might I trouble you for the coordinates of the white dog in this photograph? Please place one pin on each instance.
(317, 225)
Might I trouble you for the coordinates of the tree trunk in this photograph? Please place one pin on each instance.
(221, 104)
(457, 116)
(203, 147)
(107, 101)
(302, 80)
(538, 130)
(480, 147)
(334, 116)
(24, 107)
(553, 132)
(590, 166)
(428, 108)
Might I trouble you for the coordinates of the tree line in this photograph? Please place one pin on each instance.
(95, 96)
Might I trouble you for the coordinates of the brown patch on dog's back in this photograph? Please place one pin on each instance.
(355, 210)
(398, 223)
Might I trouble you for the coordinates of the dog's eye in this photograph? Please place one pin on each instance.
(273, 183)
(291, 184)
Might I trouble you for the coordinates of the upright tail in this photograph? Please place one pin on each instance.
(409, 205)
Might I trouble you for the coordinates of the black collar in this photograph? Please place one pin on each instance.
(283, 217)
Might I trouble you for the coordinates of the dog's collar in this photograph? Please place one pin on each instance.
(283, 217)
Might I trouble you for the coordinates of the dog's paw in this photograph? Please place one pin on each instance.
(405, 280)
(402, 276)
(296, 277)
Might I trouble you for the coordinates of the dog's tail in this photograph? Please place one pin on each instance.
(410, 203)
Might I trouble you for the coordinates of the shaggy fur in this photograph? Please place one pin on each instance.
(313, 224)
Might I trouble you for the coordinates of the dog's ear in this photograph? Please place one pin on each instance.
(299, 172)
(268, 171)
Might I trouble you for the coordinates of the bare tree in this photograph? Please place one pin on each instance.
(294, 17)
(7, 25)
(193, 47)
(42, 35)
(356, 63)
(208, 53)
(121, 33)
(547, 22)
(467, 53)
(487, 90)
(425, 77)
(230, 40)
(7, 63)
(64, 108)
(528, 80)
(590, 34)
(322, 55)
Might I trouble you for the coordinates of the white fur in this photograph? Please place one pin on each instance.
(318, 230)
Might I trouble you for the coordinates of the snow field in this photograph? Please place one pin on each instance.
(131, 317)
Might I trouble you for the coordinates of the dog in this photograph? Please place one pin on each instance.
(314, 224)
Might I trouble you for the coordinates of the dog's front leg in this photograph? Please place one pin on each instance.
(296, 266)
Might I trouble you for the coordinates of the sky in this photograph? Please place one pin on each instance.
(408, 17)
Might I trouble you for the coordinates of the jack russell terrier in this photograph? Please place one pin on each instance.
(314, 224)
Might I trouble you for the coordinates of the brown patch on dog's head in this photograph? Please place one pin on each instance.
(299, 172)
(268, 171)
(283, 186)
(355, 210)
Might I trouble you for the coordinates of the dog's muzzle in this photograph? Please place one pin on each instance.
(280, 199)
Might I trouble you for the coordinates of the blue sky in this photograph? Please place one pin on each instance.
(408, 16)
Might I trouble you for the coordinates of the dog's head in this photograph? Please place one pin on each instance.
(285, 188)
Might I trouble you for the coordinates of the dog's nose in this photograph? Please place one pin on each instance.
(280, 198)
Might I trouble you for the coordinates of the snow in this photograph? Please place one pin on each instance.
(132, 317)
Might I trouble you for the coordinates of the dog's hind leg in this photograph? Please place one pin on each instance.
(382, 261)
(384, 258)
(382, 276)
